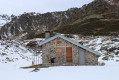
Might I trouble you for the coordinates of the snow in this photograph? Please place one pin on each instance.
(21, 36)
(111, 2)
(4, 19)
(11, 51)
(107, 72)
(20, 56)
(2, 22)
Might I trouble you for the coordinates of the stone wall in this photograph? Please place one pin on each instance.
(49, 51)
(91, 59)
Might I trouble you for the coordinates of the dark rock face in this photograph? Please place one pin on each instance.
(97, 18)
(74, 20)
(29, 22)
(32, 44)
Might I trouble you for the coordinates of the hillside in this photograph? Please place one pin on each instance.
(93, 25)
(99, 17)
(32, 22)
(14, 51)
(15, 54)
(4, 19)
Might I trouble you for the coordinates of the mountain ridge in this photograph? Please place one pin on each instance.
(71, 21)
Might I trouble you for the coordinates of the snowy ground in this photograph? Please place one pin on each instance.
(14, 54)
(107, 72)
(12, 51)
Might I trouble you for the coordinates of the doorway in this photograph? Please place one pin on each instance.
(69, 54)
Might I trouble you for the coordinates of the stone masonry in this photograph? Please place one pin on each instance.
(49, 51)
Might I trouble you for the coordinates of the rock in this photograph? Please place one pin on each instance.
(8, 59)
(117, 53)
(3, 54)
(103, 64)
(32, 44)
(105, 58)
(117, 60)
(35, 70)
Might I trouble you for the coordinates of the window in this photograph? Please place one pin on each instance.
(58, 51)
(58, 42)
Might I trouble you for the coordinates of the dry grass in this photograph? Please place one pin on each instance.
(35, 66)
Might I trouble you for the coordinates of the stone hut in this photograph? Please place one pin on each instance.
(60, 50)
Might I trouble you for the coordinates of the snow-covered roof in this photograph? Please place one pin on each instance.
(69, 40)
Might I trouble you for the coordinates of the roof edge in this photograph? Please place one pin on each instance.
(69, 40)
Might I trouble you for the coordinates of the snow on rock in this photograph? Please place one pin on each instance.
(113, 2)
(106, 45)
(4, 19)
(21, 36)
(14, 51)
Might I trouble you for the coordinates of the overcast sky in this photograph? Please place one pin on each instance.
(41, 6)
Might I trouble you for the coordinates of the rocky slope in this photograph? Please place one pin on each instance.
(106, 45)
(99, 17)
(4, 19)
(12, 51)
(32, 22)
(16, 51)
(113, 2)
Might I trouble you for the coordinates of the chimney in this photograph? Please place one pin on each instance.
(47, 34)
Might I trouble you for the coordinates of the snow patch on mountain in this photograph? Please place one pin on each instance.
(12, 51)
(4, 19)
(112, 2)
(108, 46)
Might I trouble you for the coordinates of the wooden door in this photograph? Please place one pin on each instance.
(69, 54)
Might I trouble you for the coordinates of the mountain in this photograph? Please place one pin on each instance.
(113, 2)
(4, 19)
(99, 17)
(32, 22)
